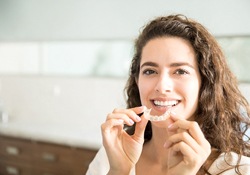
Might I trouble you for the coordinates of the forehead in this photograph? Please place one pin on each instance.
(169, 49)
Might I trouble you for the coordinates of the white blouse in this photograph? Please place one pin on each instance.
(100, 164)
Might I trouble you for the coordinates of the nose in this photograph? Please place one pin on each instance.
(164, 84)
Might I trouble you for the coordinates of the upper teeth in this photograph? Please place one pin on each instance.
(166, 103)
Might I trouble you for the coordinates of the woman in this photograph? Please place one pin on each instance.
(178, 68)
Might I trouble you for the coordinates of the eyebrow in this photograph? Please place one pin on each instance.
(176, 64)
(153, 64)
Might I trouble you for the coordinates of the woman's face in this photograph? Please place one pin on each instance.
(169, 77)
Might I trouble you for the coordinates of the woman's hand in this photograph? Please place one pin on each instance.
(123, 150)
(188, 144)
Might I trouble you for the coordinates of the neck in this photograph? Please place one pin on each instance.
(155, 147)
(155, 155)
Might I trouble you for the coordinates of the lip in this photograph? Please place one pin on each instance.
(159, 110)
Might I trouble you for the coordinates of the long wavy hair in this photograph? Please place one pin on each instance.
(223, 112)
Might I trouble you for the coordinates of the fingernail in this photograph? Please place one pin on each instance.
(120, 121)
(131, 121)
(170, 126)
(167, 144)
(138, 118)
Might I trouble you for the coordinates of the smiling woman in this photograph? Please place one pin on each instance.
(169, 72)
(177, 64)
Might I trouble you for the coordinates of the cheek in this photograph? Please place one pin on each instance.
(193, 94)
(190, 91)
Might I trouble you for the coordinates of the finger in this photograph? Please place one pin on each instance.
(109, 124)
(131, 113)
(111, 127)
(183, 137)
(196, 136)
(136, 110)
(120, 116)
(191, 126)
(189, 156)
(140, 128)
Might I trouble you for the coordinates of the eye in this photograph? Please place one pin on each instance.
(181, 72)
(148, 72)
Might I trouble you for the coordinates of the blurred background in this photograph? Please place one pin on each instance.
(64, 64)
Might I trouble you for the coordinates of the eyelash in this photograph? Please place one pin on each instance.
(184, 72)
(148, 72)
(179, 71)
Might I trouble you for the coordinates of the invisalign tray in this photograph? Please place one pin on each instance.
(150, 117)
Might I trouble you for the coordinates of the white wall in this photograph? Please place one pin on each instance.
(60, 99)
(112, 19)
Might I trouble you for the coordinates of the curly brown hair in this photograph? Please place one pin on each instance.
(223, 112)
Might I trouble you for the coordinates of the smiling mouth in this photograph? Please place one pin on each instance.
(170, 103)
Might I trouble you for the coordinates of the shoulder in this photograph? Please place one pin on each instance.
(225, 163)
(99, 164)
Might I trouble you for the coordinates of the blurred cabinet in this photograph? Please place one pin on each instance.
(25, 157)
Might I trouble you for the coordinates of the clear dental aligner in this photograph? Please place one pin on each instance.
(150, 117)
